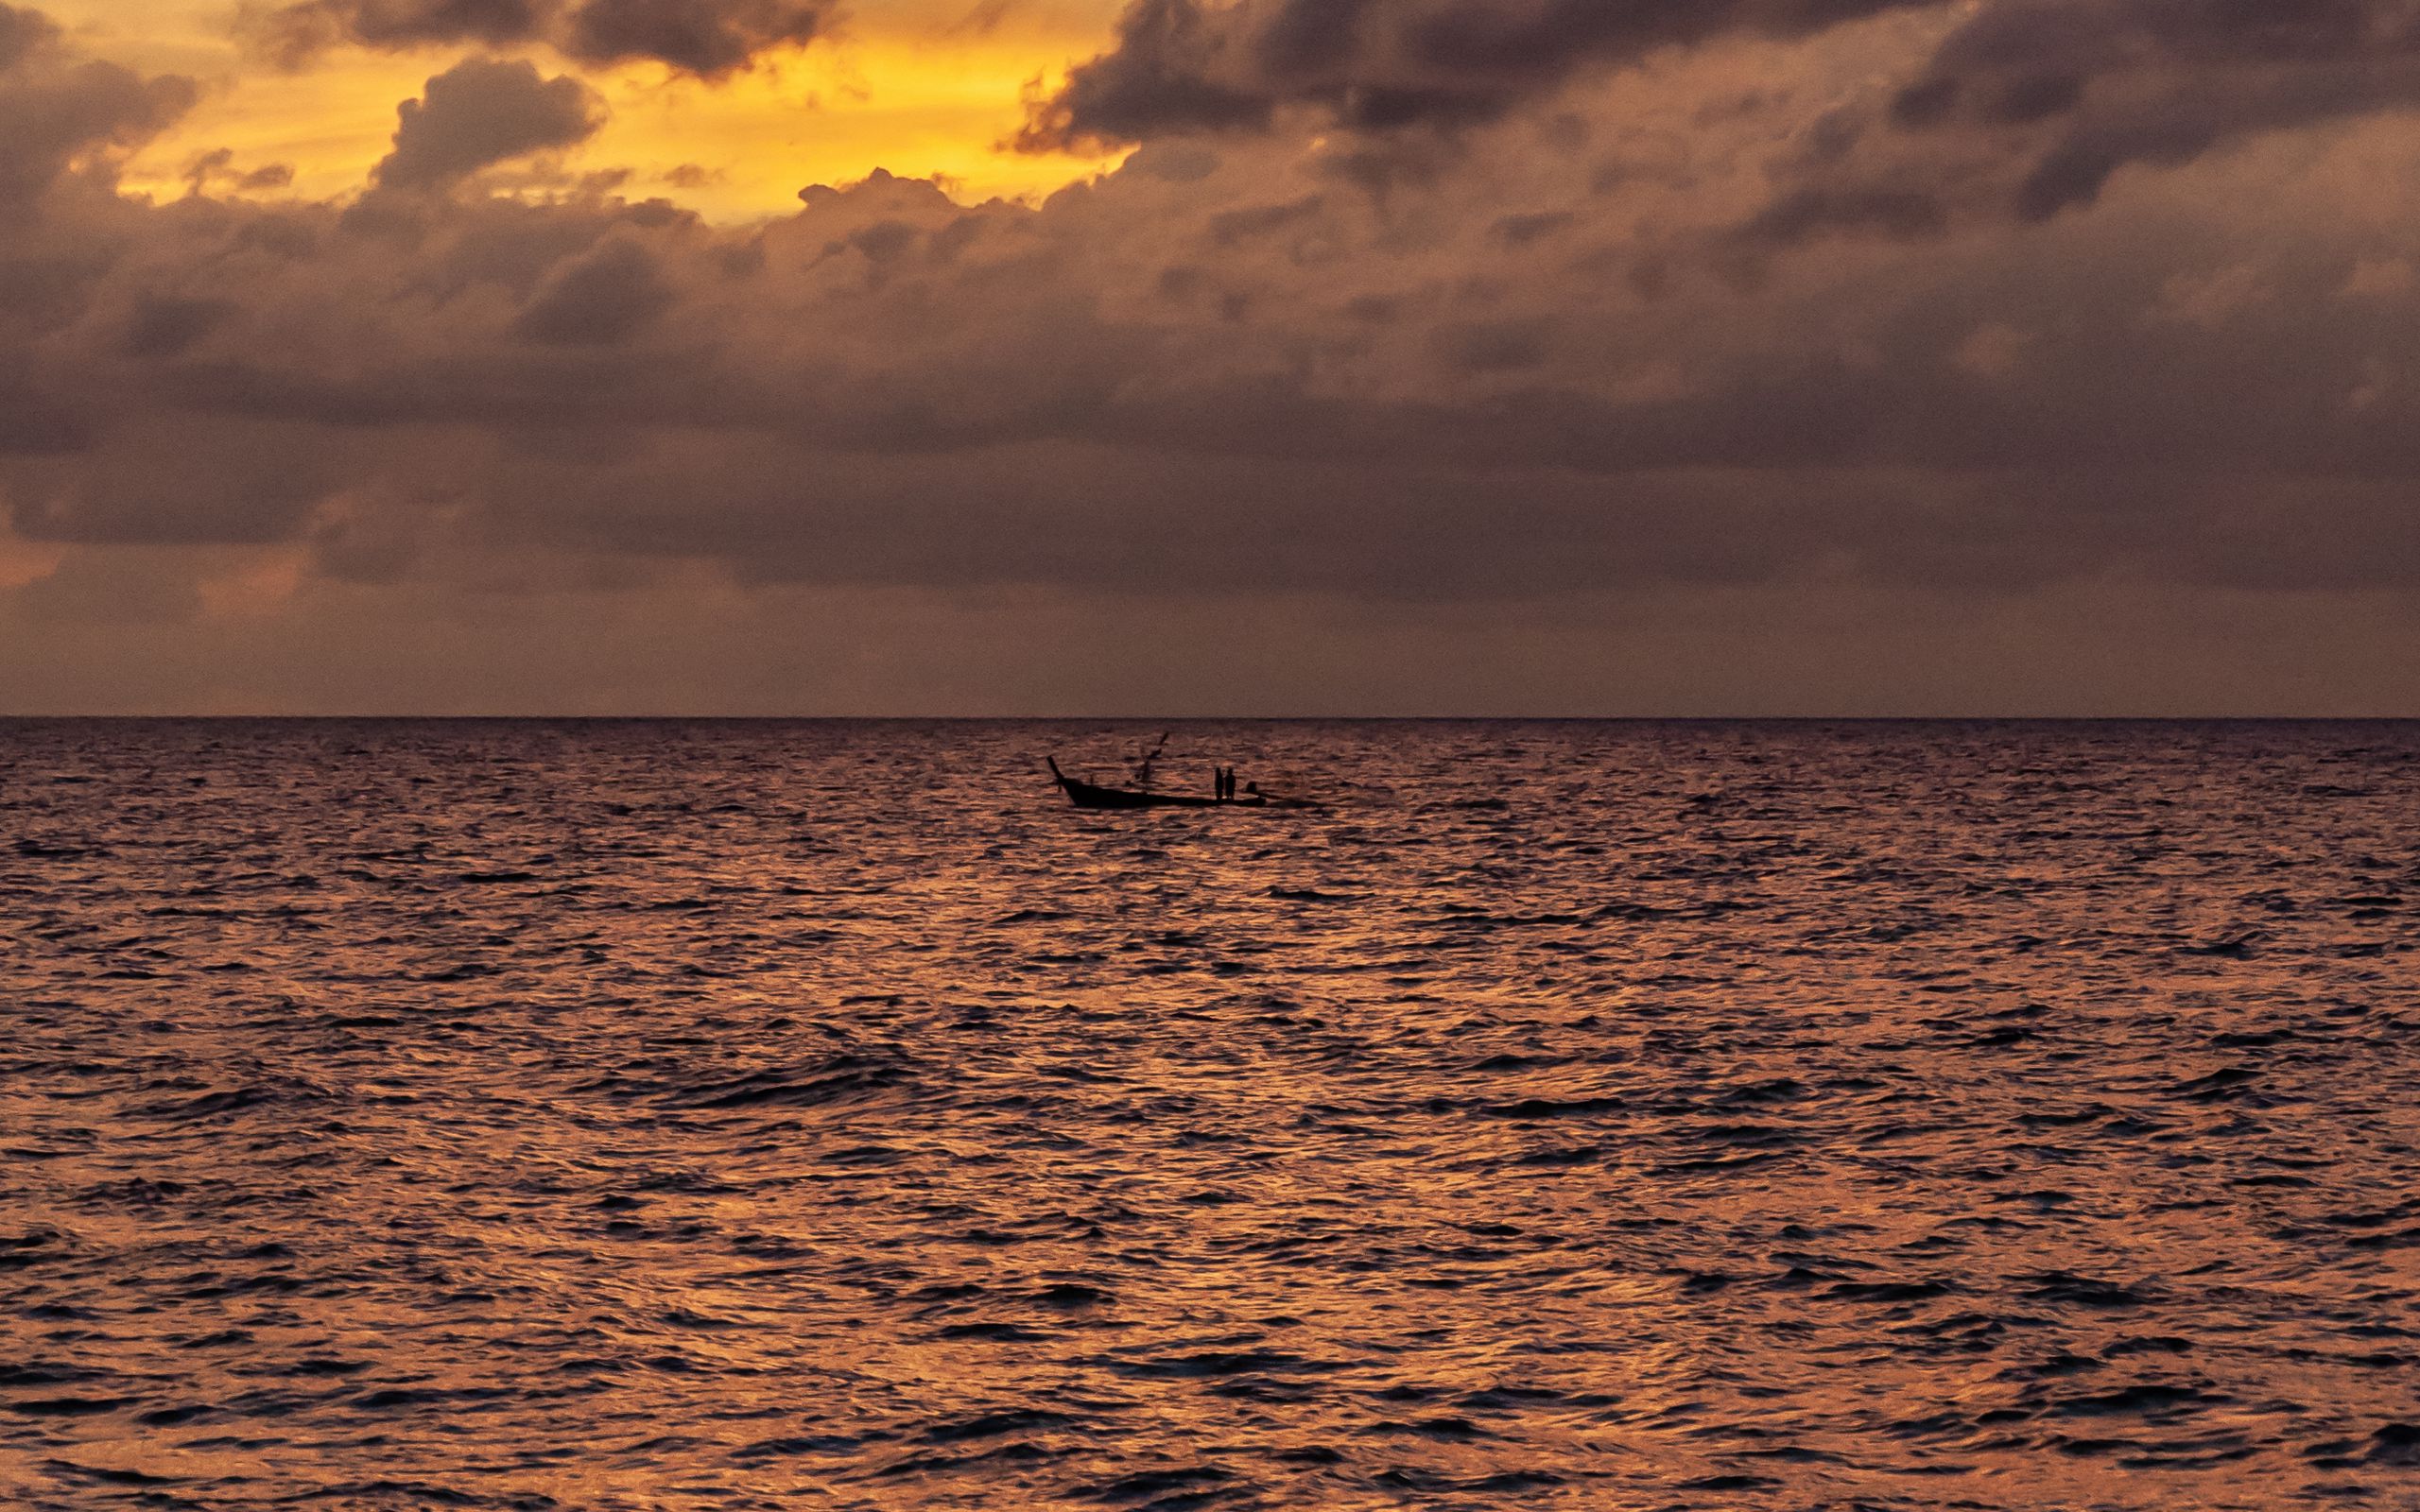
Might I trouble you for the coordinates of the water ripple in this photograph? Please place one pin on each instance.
(648, 1115)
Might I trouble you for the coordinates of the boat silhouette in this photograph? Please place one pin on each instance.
(1091, 796)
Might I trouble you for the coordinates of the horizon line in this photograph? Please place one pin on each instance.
(9, 718)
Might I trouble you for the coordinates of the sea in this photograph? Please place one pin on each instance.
(527, 1115)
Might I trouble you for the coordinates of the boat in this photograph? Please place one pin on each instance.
(1089, 796)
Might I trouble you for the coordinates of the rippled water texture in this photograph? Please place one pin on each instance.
(501, 1116)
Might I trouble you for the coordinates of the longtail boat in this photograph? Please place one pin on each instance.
(1088, 796)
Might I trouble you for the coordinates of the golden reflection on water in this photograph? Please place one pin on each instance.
(1567, 1115)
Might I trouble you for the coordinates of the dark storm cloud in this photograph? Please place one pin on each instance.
(56, 111)
(709, 38)
(1193, 65)
(895, 390)
(217, 167)
(294, 33)
(1220, 370)
(599, 298)
(2114, 82)
(1814, 209)
(21, 32)
(2030, 108)
(165, 326)
(480, 113)
(34, 424)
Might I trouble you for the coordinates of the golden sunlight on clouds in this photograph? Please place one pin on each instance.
(920, 87)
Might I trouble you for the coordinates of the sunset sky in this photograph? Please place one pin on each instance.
(920, 87)
(1736, 356)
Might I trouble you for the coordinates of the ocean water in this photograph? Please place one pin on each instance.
(1567, 1115)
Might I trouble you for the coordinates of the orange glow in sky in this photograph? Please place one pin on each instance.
(920, 87)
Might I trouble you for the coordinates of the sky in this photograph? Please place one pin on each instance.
(1210, 356)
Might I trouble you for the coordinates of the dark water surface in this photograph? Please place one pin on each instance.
(697, 1116)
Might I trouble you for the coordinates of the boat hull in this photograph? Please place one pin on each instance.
(1087, 795)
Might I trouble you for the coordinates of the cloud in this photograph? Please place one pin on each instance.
(2028, 109)
(891, 389)
(2025, 109)
(22, 32)
(603, 297)
(33, 423)
(217, 167)
(711, 39)
(61, 113)
(708, 38)
(481, 113)
(2096, 87)
(1395, 393)
(1195, 66)
(294, 33)
(165, 326)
